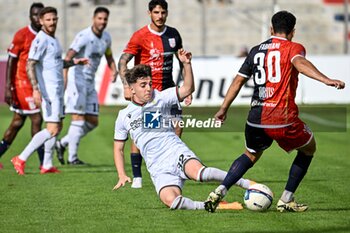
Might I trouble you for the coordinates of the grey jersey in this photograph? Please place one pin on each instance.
(88, 45)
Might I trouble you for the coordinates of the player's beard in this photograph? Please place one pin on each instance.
(160, 24)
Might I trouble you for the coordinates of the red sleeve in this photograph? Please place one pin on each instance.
(16, 45)
(133, 47)
(297, 50)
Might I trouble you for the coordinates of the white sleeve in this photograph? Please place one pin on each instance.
(38, 48)
(170, 96)
(79, 42)
(120, 132)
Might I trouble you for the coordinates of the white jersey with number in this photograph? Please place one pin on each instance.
(47, 51)
(88, 45)
(160, 148)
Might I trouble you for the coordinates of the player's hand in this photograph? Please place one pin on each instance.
(336, 83)
(114, 76)
(37, 98)
(188, 100)
(220, 115)
(127, 92)
(184, 56)
(81, 61)
(121, 182)
(8, 96)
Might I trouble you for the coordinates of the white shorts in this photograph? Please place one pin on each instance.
(81, 96)
(175, 177)
(52, 108)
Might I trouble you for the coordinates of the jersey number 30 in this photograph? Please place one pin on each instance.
(273, 67)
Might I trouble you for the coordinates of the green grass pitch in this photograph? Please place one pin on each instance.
(80, 199)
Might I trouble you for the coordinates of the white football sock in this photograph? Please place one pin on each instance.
(37, 140)
(215, 174)
(48, 156)
(65, 140)
(184, 203)
(75, 132)
(88, 127)
(287, 196)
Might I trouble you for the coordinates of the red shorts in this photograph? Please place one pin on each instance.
(288, 138)
(22, 98)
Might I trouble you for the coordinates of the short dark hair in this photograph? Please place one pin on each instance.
(283, 22)
(35, 5)
(48, 9)
(153, 3)
(138, 72)
(101, 9)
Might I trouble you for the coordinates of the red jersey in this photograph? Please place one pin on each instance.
(157, 50)
(275, 82)
(19, 49)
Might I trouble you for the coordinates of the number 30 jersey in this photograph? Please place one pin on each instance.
(275, 82)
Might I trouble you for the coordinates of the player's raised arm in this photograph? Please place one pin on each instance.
(187, 87)
(122, 67)
(305, 67)
(119, 164)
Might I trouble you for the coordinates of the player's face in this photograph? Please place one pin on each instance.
(100, 21)
(142, 90)
(34, 18)
(158, 17)
(49, 23)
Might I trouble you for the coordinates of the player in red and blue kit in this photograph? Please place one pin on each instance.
(154, 45)
(274, 66)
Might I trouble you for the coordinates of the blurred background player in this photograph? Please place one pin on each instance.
(19, 91)
(154, 44)
(274, 66)
(169, 161)
(82, 101)
(44, 70)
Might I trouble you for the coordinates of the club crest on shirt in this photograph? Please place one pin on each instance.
(172, 42)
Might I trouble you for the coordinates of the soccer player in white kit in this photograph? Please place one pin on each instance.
(82, 101)
(169, 161)
(44, 70)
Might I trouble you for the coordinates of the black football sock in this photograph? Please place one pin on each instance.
(297, 171)
(238, 168)
(3, 147)
(136, 161)
(41, 152)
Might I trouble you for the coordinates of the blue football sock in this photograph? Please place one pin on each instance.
(136, 161)
(297, 171)
(238, 168)
(41, 152)
(3, 147)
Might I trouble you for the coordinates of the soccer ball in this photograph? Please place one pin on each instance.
(258, 197)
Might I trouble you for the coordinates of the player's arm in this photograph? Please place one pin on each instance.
(187, 87)
(111, 64)
(30, 68)
(305, 67)
(188, 99)
(11, 70)
(119, 164)
(122, 67)
(230, 96)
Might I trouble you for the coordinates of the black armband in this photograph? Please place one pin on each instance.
(67, 64)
